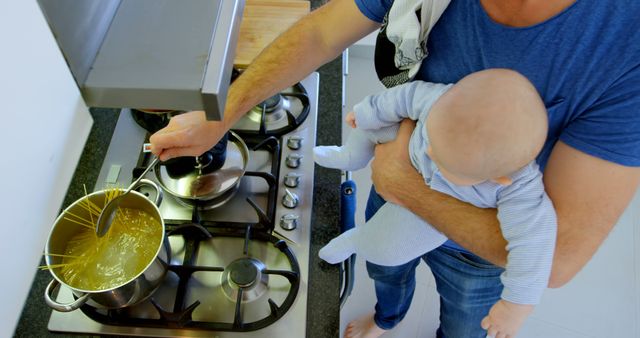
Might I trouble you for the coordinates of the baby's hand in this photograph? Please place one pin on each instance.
(505, 319)
(351, 119)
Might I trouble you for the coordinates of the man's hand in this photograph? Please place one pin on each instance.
(188, 134)
(391, 169)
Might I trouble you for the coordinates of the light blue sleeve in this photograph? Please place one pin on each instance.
(411, 100)
(529, 224)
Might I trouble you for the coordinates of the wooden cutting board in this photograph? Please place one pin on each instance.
(262, 22)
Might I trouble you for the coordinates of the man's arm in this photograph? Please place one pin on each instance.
(314, 40)
(311, 42)
(589, 195)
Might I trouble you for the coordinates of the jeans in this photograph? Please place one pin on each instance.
(468, 286)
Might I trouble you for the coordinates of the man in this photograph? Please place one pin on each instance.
(589, 78)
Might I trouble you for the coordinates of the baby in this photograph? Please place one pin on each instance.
(477, 141)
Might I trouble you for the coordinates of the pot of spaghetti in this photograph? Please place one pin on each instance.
(120, 269)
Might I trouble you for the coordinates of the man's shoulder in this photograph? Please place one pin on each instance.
(610, 23)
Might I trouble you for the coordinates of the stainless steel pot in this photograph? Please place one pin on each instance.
(135, 290)
(196, 186)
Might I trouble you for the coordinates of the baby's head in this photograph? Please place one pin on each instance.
(487, 126)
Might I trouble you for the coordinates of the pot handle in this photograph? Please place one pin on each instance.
(158, 200)
(62, 307)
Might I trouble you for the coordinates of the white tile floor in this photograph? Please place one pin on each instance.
(602, 301)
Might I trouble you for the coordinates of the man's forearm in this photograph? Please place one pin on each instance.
(287, 60)
(474, 228)
(311, 42)
(398, 181)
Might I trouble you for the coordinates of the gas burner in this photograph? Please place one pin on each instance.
(276, 115)
(274, 110)
(272, 104)
(246, 275)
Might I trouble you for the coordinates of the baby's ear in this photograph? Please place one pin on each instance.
(504, 180)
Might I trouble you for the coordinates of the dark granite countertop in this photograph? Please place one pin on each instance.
(323, 315)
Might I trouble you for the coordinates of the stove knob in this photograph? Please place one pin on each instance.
(291, 180)
(294, 142)
(293, 160)
(290, 200)
(289, 221)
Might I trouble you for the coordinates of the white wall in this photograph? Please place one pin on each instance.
(369, 40)
(43, 127)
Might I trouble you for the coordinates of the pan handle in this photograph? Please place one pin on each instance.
(158, 200)
(347, 222)
(59, 306)
(347, 205)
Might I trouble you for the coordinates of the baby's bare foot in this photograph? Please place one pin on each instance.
(363, 327)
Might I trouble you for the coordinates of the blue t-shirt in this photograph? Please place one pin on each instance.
(585, 63)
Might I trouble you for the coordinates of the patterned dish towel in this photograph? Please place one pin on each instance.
(403, 38)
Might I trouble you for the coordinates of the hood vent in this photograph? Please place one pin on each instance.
(149, 54)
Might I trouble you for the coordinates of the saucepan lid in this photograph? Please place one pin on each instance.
(196, 185)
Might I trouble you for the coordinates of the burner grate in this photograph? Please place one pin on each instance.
(181, 314)
(203, 309)
(292, 106)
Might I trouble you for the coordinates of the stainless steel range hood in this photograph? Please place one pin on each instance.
(154, 54)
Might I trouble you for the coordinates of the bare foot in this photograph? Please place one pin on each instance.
(363, 327)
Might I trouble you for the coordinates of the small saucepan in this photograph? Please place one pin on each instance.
(130, 292)
(197, 183)
(210, 161)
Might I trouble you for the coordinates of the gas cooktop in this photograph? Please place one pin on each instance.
(239, 269)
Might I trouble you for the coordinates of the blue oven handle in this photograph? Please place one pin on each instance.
(347, 205)
(347, 222)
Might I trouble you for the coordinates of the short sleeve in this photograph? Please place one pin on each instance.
(374, 9)
(610, 128)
